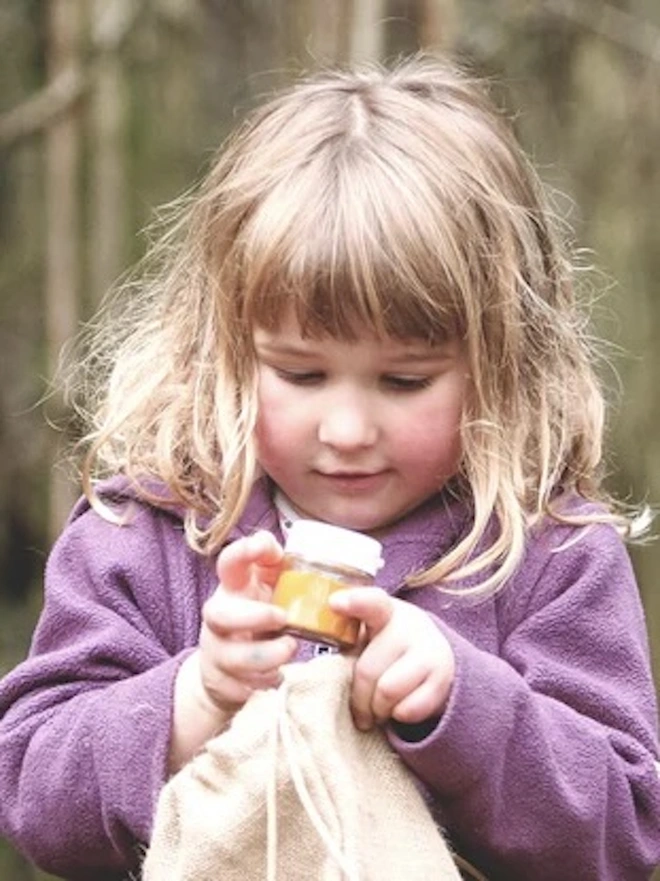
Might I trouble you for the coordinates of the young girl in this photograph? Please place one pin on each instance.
(364, 317)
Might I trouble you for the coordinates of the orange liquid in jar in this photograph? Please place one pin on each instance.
(304, 594)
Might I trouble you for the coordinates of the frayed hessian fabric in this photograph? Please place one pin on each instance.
(292, 791)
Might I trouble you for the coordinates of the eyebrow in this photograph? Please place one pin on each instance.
(297, 350)
(439, 353)
(283, 348)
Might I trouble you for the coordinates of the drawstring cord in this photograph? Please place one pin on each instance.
(281, 732)
(466, 867)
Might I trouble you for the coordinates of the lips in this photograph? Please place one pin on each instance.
(353, 481)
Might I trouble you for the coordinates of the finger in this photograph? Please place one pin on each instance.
(372, 605)
(236, 563)
(255, 658)
(226, 693)
(374, 661)
(396, 684)
(425, 702)
(227, 614)
(232, 670)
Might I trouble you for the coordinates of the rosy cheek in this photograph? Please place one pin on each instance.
(274, 432)
(266, 429)
(432, 436)
(262, 428)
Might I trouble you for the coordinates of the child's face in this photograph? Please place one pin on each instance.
(358, 433)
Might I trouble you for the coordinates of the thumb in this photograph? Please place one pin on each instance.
(371, 605)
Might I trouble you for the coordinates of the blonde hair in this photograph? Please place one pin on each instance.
(394, 199)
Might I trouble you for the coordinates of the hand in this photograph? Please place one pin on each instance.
(406, 668)
(239, 650)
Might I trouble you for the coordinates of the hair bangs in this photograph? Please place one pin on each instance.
(346, 249)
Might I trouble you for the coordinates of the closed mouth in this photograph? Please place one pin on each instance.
(354, 481)
(351, 475)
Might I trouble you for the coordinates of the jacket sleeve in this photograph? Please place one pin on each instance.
(544, 764)
(85, 720)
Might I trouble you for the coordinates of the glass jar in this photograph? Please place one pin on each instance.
(320, 559)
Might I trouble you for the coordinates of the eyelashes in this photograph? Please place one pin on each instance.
(390, 381)
(407, 383)
(300, 377)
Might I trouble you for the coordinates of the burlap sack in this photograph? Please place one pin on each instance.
(293, 791)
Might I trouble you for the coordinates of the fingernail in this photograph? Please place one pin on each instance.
(362, 723)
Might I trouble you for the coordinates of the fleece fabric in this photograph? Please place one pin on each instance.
(543, 765)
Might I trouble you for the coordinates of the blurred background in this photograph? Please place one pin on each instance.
(110, 108)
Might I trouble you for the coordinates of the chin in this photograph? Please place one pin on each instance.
(356, 521)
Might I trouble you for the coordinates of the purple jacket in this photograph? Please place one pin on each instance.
(543, 766)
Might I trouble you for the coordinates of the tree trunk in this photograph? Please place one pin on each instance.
(437, 23)
(367, 38)
(107, 198)
(62, 231)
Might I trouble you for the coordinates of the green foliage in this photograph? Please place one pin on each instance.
(14, 868)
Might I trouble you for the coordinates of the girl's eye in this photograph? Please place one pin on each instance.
(407, 383)
(299, 377)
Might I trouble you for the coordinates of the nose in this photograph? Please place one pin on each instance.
(347, 422)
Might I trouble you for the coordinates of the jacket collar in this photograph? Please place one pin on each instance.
(412, 544)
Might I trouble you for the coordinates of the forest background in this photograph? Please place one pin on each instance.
(111, 108)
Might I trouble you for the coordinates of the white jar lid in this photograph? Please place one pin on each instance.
(334, 545)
